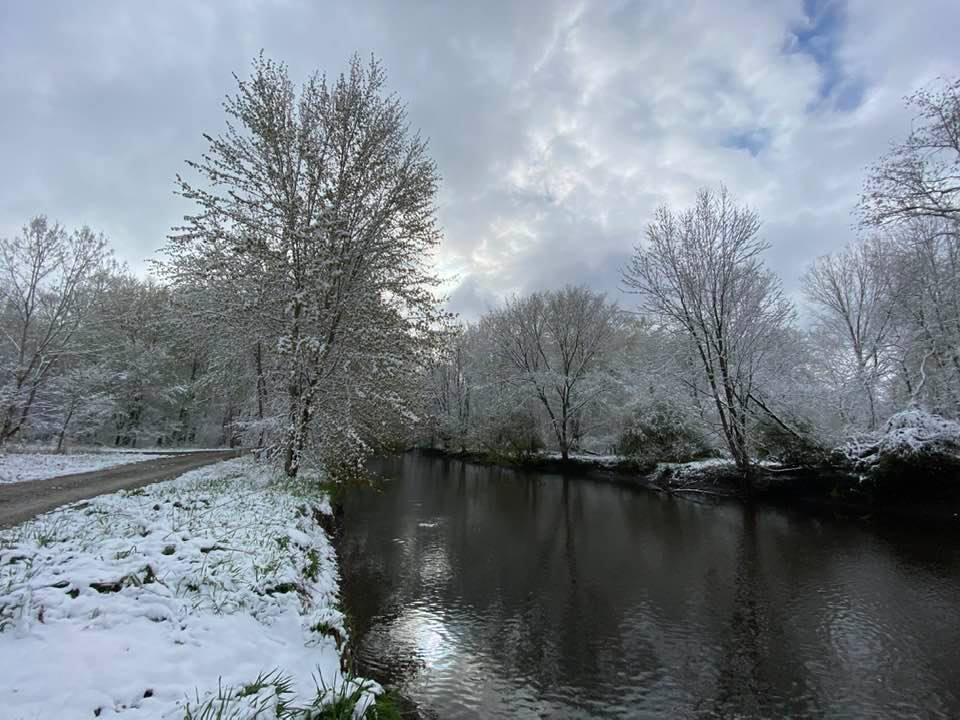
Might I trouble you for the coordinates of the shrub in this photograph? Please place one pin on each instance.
(660, 431)
(801, 448)
(515, 433)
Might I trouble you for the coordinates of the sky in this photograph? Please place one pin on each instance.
(558, 127)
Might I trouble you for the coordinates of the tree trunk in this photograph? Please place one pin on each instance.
(261, 391)
(564, 435)
(296, 439)
(63, 428)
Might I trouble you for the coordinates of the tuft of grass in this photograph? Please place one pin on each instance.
(312, 569)
(387, 707)
(124, 554)
(47, 532)
(270, 696)
(337, 703)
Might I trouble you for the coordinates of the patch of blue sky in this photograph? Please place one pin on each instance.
(820, 39)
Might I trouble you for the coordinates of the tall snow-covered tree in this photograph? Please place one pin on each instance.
(315, 224)
(701, 273)
(926, 272)
(557, 344)
(852, 293)
(449, 384)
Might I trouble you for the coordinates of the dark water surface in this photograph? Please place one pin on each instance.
(487, 593)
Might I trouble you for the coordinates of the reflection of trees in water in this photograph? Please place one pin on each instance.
(740, 686)
(668, 604)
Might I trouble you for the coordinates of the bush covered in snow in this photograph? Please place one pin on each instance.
(911, 437)
(659, 431)
(710, 472)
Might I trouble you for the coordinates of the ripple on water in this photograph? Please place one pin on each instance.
(491, 595)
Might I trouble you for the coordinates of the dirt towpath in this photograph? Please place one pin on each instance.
(21, 501)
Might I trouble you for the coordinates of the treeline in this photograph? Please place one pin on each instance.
(705, 354)
(92, 354)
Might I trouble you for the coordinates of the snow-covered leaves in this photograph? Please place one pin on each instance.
(47, 278)
(320, 205)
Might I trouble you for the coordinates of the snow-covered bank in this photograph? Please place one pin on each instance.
(150, 603)
(20, 467)
(912, 436)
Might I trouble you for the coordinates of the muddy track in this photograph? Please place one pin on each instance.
(21, 501)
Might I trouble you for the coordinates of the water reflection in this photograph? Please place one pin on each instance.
(487, 593)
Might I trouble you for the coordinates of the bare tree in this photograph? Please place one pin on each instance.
(315, 227)
(916, 187)
(556, 342)
(449, 387)
(920, 177)
(44, 275)
(853, 295)
(701, 273)
(927, 312)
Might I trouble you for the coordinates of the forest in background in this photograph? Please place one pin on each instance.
(297, 310)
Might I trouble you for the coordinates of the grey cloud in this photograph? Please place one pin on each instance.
(557, 126)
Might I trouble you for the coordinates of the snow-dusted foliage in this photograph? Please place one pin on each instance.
(662, 431)
(917, 178)
(90, 353)
(850, 292)
(539, 370)
(555, 347)
(888, 306)
(47, 287)
(450, 391)
(152, 602)
(309, 247)
(913, 436)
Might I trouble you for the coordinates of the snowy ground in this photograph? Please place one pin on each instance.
(596, 459)
(150, 603)
(19, 467)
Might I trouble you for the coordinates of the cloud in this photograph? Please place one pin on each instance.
(557, 126)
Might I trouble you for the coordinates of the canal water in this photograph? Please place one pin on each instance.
(488, 593)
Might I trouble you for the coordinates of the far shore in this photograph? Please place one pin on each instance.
(907, 491)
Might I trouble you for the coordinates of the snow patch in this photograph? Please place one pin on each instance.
(907, 435)
(139, 603)
(20, 467)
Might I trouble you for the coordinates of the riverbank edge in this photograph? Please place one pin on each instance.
(905, 490)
